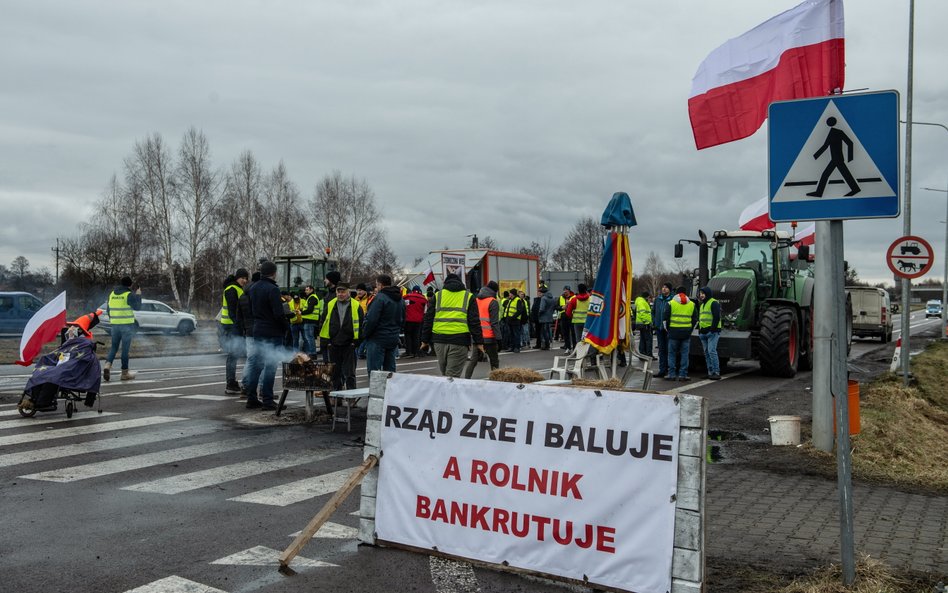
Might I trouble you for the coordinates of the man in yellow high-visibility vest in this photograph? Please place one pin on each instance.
(452, 325)
(681, 316)
(123, 302)
(232, 328)
(643, 323)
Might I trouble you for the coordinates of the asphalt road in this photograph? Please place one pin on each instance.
(177, 488)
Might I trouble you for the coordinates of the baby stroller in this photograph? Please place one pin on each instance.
(71, 372)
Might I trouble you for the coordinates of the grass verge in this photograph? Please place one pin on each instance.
(872, 576)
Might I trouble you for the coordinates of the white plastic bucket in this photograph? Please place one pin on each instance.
(784, 430)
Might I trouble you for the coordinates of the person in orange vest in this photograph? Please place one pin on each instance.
(488, 310)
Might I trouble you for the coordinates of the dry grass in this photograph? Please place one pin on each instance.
(905, 429)
(515, 375)
(872, 576)
(613, 384)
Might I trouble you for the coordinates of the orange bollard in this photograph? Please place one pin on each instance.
(854, 422)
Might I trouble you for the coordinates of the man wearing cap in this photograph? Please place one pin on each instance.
(659, 313)
(564, 324)
(123, 302)
(451, 325)
(340, 332)
(232, 328)
(310, 315)
(331, 280)
(270, 325)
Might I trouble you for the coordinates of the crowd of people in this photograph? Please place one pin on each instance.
(267, 325)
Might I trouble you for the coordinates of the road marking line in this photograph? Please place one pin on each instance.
(135, 462)
(174, 584)
(704, 382)
(21, 422)
(229, 473)
(293, 492)
(264, 556)
(48, 453)
(145, 395)
(331, 530)
(210, 398)
(61, 433)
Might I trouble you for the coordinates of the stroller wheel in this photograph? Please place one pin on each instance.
(25, 407)
(70, 408)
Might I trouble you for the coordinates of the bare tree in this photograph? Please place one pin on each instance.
(653, 273)
(197, 198)
(283, 222)
(541, 250)
(382, 259)
(151, 167)
(345, 219)
(240, 212)
(487, 242)
(581, 250)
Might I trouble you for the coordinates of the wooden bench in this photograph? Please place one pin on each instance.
(345, 399)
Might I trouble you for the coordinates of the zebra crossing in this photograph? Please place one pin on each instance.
(42, 441)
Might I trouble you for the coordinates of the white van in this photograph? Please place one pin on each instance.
(872, 312)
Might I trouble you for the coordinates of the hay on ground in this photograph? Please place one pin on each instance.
(515, 375)
(612, 383)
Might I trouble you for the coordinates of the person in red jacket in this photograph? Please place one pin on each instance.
(415, 303)
(576, 310)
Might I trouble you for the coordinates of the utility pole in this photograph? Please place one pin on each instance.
(56, 251)
(944, 278)
(907, 211)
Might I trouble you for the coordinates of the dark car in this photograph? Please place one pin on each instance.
(16, 308)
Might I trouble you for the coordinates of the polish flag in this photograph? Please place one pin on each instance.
(429, 277)
(794, 55)
(43, 327)
(756, 217)
(805, 235)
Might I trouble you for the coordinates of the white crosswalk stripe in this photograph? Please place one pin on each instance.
(124, 464)
(174, 584)
(37, 455)
(26, 422)
(293, 492)
(32, 437)
(229, 473)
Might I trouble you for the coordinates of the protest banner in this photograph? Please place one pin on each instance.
(575, 483)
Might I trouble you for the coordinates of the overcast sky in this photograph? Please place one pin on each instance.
(504, 118)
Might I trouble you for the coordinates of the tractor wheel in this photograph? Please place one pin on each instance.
(806, 349)
(779, 342)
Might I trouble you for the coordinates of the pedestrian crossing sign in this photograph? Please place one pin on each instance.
(834, 158)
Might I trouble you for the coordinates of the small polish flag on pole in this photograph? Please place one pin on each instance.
(756, 217)
(43, 327)
(430, 277)
(794, 55)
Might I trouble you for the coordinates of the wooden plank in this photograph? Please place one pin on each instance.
(686, 565)
(687, 529)
(691, 406)
(691, 442)
(680, 586)
(324, 513)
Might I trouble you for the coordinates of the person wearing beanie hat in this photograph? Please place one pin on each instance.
(452, 325)
(545, 317)
(332, 279)
(489, 314)
(310, 314)
(123, 302)
(232, 331)
(659, 312)
(562, 328)
(680, 318)
(576, 310)
(709, 331)
(415, 303)
(270, 326)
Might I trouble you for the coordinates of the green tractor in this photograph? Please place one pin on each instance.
(766, 298)
(296, 271)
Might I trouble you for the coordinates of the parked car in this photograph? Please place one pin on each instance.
(16, 308)
(156, 316)
(872, 312)
(933, 308)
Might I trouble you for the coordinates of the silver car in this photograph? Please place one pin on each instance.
(156, 316)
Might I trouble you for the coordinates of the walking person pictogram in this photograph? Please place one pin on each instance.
(834, 141)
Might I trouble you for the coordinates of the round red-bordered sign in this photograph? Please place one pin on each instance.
(910, 257)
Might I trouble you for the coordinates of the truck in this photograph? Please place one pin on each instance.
(766, 299)
(872, 314)
(296, 271)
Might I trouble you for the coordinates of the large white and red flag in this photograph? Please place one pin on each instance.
(794, 55)
(805, 235)
(43, 327)
(429, 277)
(756, 217)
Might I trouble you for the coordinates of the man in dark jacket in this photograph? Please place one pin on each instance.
(451, 325)
(709, 331)
(659, 312)
(489, 314)
(383, 323)
(233, 333)
(124, 300)
(545, 317)
(535, 320)
(245, 322)
(513, 315)
(269, 329)
(332, 279)
(339, 336)
(680, 319)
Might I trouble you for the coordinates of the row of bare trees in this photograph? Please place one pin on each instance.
(179, 223)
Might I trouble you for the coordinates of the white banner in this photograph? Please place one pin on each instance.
(569, 482)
